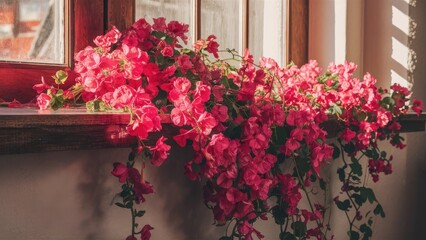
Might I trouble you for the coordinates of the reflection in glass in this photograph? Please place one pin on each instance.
(172, 10)
(267, 33)
(32, 31)
(223, 18)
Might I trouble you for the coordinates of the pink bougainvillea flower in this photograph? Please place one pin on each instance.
(206, 122)
(241, 120)
(146, 232)
(167, 51)
(177, 29)
(142, 29)
(141, 189)
(212, 46)
(417, 106)
(111, 37)
(131, 237)
(184, 63)
(400, 89)
(41, 87)
(122, 97)
(121, 171)
(43, 101)
(348, 135)
(159, 152)
(159, 24)
(140, 128)
(291, 145)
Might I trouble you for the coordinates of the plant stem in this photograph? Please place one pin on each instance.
(306, 193)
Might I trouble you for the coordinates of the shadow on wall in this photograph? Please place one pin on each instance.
(390, 46)
(416, 151)
(179, 209)
(93, 191)
(322, 39)
(68, 195)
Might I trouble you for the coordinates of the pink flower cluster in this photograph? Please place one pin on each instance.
(242, 122)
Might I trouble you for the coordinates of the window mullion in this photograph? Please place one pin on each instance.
(245, 24)
(197, 19)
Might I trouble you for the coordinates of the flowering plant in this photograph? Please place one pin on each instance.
(257, 129)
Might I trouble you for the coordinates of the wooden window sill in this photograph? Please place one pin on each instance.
(29, 130)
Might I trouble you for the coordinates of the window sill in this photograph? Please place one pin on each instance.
(28, 130)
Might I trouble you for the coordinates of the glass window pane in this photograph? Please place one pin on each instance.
(181, 10)
(223, 18)
(32, 31)
(267, 33)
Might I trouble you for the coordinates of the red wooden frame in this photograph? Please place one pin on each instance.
(85, 19)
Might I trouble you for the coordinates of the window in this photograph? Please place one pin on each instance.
(82, 20)
(87, 19)
(238, 24)
(283, 36)
(32, 31)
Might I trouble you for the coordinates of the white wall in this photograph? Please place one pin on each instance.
(377, 38)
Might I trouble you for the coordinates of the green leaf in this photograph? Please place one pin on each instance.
(280, 158)
(234, 132)
(120, 205)
(129, 205)
(356, 168)
(368, 193)
(336, 151)
(344, 205)
(258, 204)
(158, 34)
(334, 109)
(342, 174)
(169, 40)
(132, 156)
(140, 213)
(60, 77)
(372, 153)
(299, 228)
(279, 135)
(349, 148)
(358, 199)
(301, 167)
(95, 106)
(57, 102)
(367, 231)
(379, 211)
(279, 214)
(287, 236)
(353, 235)
(355, 178)
(225, 238)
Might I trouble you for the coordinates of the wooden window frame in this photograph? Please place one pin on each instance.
(297, 24)
(84, 20)
(88, 19)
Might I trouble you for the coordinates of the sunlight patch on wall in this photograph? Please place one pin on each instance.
(396, 78)
(400, 20)
(400, 52)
